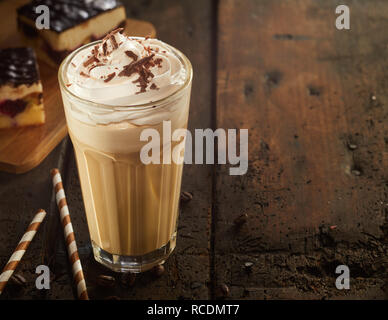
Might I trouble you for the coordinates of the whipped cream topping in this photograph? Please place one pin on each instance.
(125, 71)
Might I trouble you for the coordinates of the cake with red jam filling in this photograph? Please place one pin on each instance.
(21, 99)
(73, 23)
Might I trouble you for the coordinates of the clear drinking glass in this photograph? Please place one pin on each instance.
(131, 207)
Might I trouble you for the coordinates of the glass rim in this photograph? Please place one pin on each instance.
(142, 106)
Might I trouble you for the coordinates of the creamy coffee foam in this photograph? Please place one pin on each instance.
(125, 71)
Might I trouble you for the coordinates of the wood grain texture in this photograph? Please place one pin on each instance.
(22, 149)
(303, 89)
(314, 100)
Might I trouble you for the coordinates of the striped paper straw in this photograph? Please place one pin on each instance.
(69, 236)
(21, 248)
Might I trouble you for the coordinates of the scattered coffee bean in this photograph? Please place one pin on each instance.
(127, 279)
(239, 221)
(248, 266)
(352, 146)
(112, 298)
(356, 172)
(196, 285)
(158, 271)
(18, 280)
(223, 291)
(186, 196)
(106, 281)
(314, 91)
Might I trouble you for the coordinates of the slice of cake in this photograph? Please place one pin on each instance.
(21, 99)
(73, 23)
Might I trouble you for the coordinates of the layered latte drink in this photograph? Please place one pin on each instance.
(113, 91)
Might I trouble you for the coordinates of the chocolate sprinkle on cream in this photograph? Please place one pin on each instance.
(117, 30)
(110, 77)
(91, 60)
(105, 48)
(95, 65)
(84, 74)
(131, 54)
(114, 42)
(140, 67)
(158, 62)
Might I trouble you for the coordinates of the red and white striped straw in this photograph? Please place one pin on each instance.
(21, 248)
(69, 236)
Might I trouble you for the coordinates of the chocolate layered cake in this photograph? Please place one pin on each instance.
(73, 23)
(21, 99)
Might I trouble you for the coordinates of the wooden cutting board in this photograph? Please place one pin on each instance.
(22, 149)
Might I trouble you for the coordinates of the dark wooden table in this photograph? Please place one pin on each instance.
(315, 102)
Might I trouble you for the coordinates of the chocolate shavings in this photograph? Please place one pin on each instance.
(140, 67)
(114, 42)
(110, 77)
(158, 62)
(131, 54)
(105, 48)
(91, 60)
(94, 66)
(84, 74)
(117, 30)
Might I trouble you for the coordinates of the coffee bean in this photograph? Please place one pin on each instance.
(106, 281)
(248, 266)
(127, 279)
(352, 146)
(186, 196)
(196, 285)
(158, 271)
(356, 172)
(240, 220)
(223, 291)
(18, 280)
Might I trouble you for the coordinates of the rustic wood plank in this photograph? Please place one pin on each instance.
(303, 89)
(187, 26)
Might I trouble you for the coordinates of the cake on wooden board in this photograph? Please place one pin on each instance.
(21, 98)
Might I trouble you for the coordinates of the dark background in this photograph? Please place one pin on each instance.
(314, 100)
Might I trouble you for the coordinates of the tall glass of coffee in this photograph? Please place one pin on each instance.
(120, 95)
